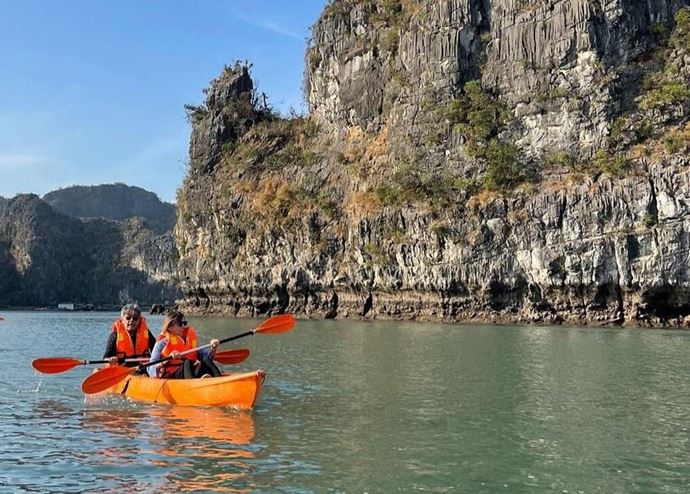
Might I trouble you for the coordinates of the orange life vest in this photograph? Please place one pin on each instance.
(125, 347)
(180, 344)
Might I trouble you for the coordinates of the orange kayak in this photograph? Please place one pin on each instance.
(236, 390)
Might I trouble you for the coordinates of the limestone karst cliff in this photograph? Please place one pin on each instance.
(511, 161)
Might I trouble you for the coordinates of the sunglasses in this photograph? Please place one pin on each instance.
(183, 323)
(133, 318)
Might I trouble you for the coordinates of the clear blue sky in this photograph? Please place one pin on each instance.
(92, 91)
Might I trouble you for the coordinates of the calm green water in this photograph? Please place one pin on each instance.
(362, 407)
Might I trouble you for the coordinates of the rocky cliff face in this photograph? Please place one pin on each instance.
(47, 257)
(461, 161)
(556, 64)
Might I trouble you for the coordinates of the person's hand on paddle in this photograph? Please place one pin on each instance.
(175, 355)
(113, 360)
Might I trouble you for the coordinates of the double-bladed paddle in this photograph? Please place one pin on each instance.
(56, 365)
(110, 376)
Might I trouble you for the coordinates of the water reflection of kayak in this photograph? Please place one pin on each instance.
(196, 449)
(207, 423)
(206, 449)
(236, 390)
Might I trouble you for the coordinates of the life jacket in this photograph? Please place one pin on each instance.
(180, 344)
(125, 347)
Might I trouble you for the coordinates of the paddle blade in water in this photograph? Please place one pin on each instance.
(229, 357)
(55, 365)
(105, 378)
(276, 324)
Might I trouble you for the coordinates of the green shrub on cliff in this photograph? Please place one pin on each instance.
(677, 140)
(680, 37)
(504, 170)
(337, 9)
(413, 183)
(314, 57)
(667, 95)
(563, 159)
(613, 164)
(195, 113)
(273, 144)
(376, 254)
(480, 118)
(409, 184)
(476, 114)
(390, 39)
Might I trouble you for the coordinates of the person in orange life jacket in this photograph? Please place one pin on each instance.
(129, 337)
(175, 338)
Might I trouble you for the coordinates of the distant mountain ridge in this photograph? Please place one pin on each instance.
(87, 256)
(114, 202)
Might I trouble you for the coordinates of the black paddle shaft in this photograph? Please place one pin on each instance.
(224, 340)
(107, 361)
(89, 362)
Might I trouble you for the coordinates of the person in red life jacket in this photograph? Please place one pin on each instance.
(129, 337)
(176, 337)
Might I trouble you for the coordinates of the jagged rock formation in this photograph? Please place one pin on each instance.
(555, 63)
(47, 257)
(522, 161)
(114, 202)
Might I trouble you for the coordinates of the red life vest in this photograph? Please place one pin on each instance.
(187, 341)
(125, 347)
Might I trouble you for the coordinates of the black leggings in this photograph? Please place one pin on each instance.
(192, 369)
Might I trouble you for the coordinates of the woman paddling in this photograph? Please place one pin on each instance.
(176, 337)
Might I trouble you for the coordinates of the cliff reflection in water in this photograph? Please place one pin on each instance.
(184, 449)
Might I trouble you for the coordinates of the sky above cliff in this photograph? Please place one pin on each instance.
(93, 92)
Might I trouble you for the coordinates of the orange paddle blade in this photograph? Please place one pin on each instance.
(105, 378)
(229, 357)
(55, 365)
(276, 324)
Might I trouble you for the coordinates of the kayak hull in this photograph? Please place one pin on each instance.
(239, 390)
